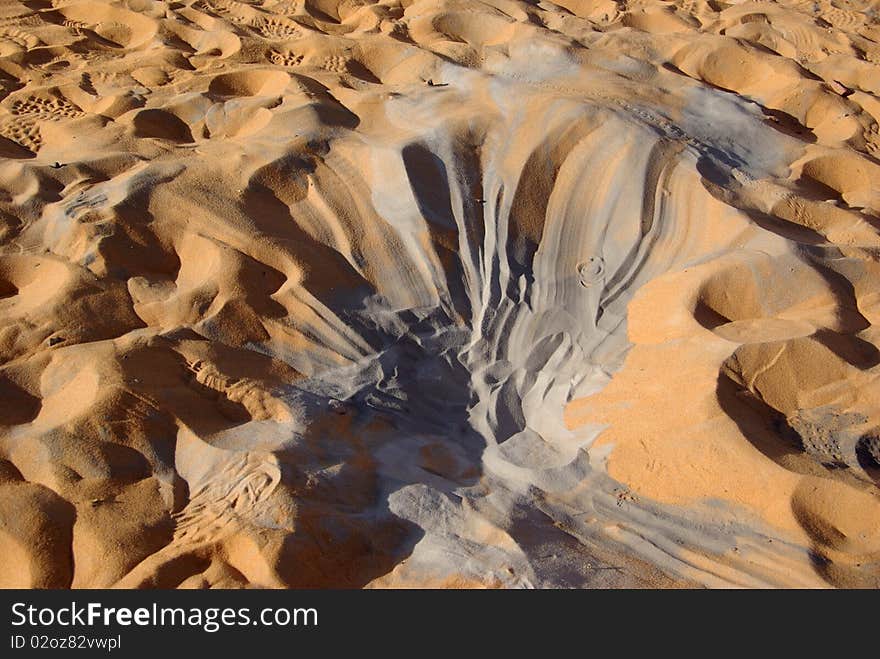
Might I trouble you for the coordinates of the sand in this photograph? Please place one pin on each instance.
(445, 293)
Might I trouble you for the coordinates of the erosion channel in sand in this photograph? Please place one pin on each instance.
(456, 293)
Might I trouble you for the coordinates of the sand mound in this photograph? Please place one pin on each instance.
(447, 293)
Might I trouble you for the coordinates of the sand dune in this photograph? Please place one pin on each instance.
(445, 293)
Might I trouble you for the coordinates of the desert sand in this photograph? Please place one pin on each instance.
(444, 293)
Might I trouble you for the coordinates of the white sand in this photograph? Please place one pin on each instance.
(445, 293)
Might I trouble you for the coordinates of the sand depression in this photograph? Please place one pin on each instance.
(304, 294)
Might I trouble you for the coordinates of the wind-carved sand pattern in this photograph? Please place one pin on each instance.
(226, 488)
(225, 500)
(456, 294)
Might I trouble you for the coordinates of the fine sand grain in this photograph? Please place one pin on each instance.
(444, 293)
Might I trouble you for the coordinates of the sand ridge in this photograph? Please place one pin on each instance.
(312, 293)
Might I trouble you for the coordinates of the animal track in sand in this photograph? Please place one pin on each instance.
(24, 131)
(335, 64)
(284, 7)
(219, 501)
(278, 29)
(813, 414)
(29, 113)
(591, 271)
(285, 58)
(833, 438)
